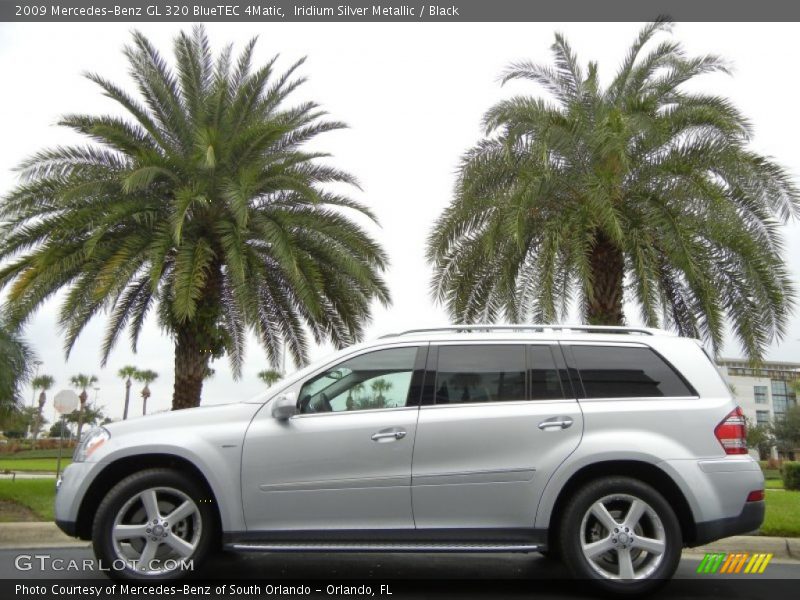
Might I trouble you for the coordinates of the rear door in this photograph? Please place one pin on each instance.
(497, 419)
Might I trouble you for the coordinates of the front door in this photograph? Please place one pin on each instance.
(499, 423)
(344, 462)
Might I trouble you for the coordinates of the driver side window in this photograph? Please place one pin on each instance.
(374, 380)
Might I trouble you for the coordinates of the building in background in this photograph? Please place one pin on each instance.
(764, 393)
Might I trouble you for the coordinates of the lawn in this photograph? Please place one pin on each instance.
(33, 464)
(783, 514)
(35, 494)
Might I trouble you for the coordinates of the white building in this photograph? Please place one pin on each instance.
(764, 393)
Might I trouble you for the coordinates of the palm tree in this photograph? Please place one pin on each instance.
(203, 207)
(270, 376)
(16, 367)
(643, 190)
(44, 383)
(147, 377)
(81, 382)
(126, 373)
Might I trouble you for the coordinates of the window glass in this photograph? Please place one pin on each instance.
(545, 381)
(762, 417)
(480, 374)
(375, 380)
(620, 372)
(760, 394)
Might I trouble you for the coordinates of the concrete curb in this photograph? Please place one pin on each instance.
(35, 535)
(782, 548)
(47, 535)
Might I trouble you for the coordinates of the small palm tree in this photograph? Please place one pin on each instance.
(43, 383)
(81, 382)
(644, 190)
(202, 206)
(126, 373)
(270, 376)
(146, 377)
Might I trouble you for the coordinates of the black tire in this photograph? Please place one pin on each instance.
(571, 535)
(127, 489)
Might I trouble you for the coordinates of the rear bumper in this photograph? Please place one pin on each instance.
(748, 520)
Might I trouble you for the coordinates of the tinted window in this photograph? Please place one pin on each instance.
(545, 380)
(618, 372)
(374, 380)
(480, 374)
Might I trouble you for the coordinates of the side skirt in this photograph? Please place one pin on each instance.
(411, 540)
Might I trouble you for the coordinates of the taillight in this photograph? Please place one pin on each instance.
(756, 496)
(732, 432)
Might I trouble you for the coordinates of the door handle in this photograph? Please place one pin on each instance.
(555, 423)
(388, 435)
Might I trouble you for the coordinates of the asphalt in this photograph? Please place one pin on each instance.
(417, 575)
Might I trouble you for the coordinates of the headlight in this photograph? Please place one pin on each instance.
(90, 443)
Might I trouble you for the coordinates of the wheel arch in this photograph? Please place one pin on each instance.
(644, 471)
(119, 469)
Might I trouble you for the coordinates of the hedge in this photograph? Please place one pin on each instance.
(790, 471)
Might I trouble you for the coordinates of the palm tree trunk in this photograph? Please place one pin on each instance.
(83, 398)
(604, 304)
(127, 398)
(191, 364)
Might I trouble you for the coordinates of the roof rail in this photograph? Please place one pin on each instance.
(542, 328)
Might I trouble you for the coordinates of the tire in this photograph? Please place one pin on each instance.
(593, 550)
(132, 524)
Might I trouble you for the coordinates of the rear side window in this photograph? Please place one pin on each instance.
(544, 377)
(480, 374)
(627, 372)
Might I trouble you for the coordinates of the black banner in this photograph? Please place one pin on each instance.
(420, 11)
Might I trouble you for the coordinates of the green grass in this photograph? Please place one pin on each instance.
(33, 464)
(774, 484)
(36, 494)
(772, 473)
(49, 453)
(783, 514)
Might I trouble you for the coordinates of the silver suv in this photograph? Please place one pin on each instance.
(609, 448)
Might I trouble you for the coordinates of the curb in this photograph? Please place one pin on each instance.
(783, 548)
(35, 535)
(48, 535)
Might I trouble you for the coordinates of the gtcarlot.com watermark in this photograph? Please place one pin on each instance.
(45, 562)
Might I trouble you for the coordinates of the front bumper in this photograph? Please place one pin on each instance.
(70, 491)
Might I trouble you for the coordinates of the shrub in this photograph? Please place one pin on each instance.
(790, 471)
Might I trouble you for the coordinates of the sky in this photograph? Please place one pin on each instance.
(413, 95)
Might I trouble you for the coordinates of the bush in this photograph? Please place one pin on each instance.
(790, 471)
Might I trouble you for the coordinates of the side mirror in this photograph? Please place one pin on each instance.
(284, 407)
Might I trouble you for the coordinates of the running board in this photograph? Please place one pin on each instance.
(379, 547)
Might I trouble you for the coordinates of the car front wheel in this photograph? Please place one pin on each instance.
(153, 525)
(621, 534)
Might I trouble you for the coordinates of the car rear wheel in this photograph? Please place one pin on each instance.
(622, 534)
(153, 525)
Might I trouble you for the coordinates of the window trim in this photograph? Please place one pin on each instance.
(578, 381)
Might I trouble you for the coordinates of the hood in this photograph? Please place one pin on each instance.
(201, 415)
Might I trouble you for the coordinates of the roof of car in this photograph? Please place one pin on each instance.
(526, 331)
